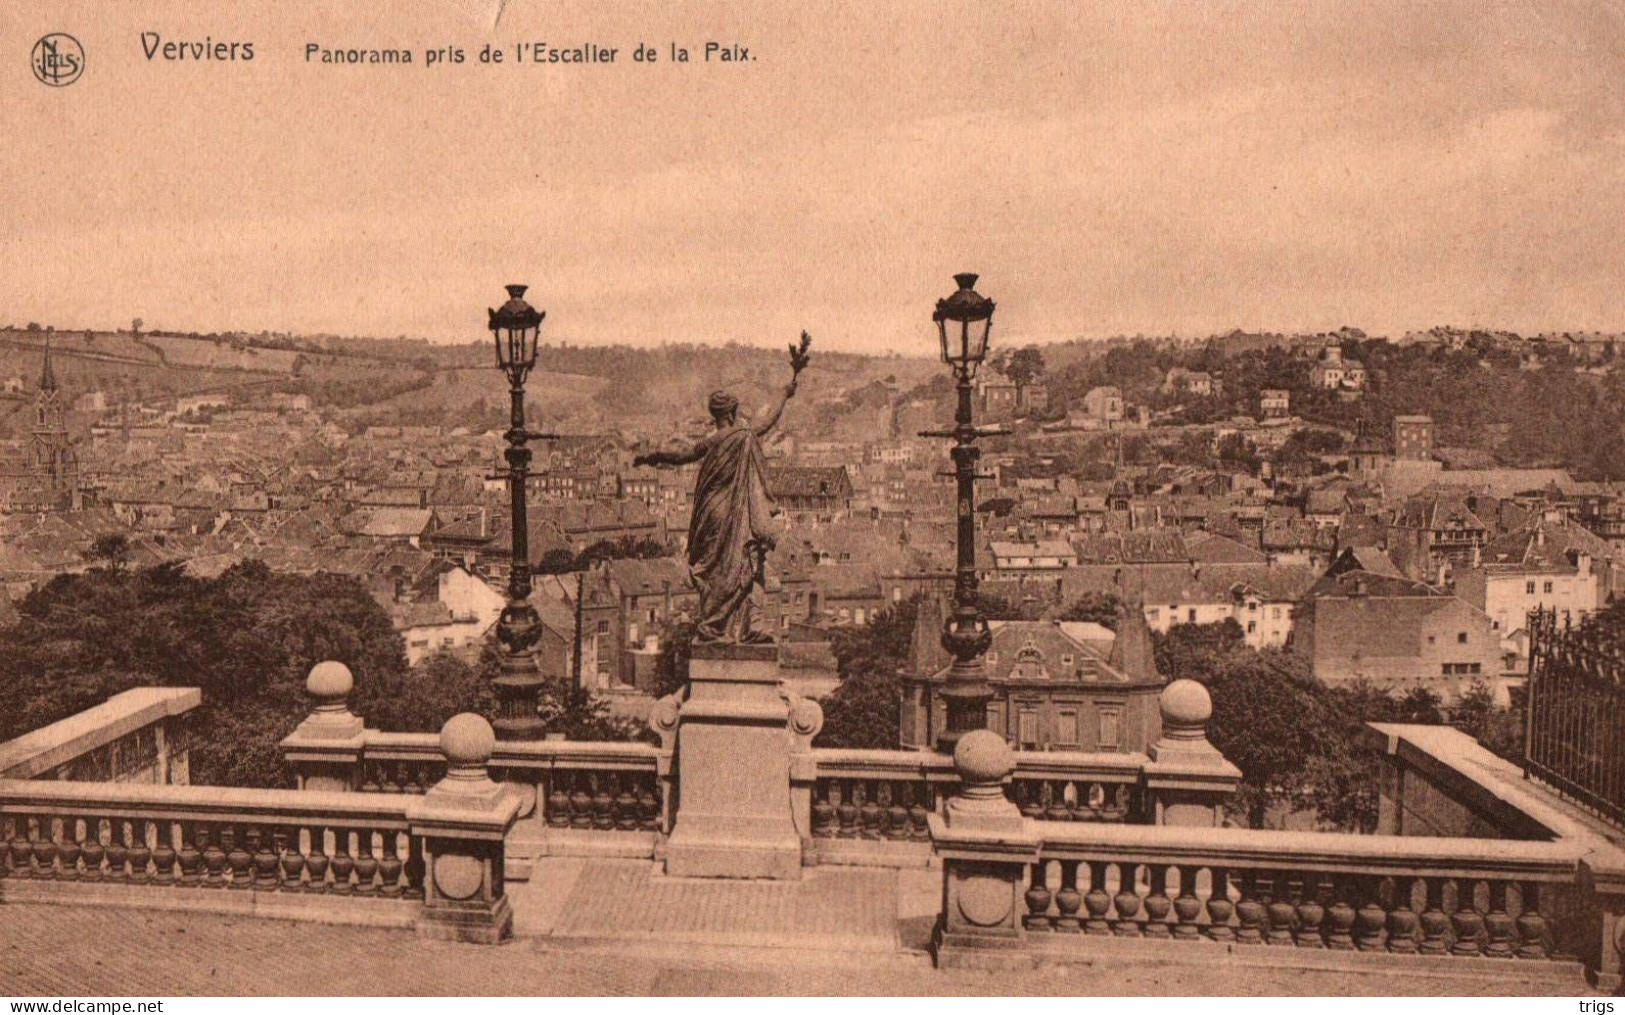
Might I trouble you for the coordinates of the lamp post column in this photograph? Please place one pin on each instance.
(965, 636)
(519, 627)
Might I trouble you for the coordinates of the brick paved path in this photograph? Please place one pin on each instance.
(68, 951)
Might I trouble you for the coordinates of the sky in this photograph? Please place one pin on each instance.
(1108, 168)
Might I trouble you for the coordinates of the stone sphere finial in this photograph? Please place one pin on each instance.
(1185, 706)
(329, 682)
(982, 758)
(467, 740)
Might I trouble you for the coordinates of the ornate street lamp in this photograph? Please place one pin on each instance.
(963, 321)
(516, 330)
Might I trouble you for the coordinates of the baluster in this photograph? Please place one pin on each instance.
(882, 799)
(1531, 925)
(239, 861)
(290, 861)
(189, 858)
(1068, 900)
(919, 811)
(163, 853)
(1434, 922)
(317, 862)
(1370, 918)
(373, 778)
(1027, 798)
(214, 855)
(1280, 909)
(603, 802)
(93, 851)
(869, 813)
(649, 805)
(8, 835)
(118, 852)
(1219, 907)
(558, 800)
(389, 867)
(1311, 911)
(1038, 897)
(343, 864)
(1157, 904)
(1250, 911)
(140, 853)
(1402, 921)
(1466, 921)
(1057, 810)
(19, 852)
(580, 802)
(262, 865)
(67, 850)
(366, 865)
(1498, 923)
(825, 823)
(898, 826)
(1340, 916)
(1096, 901)
(1187, 907)
(846, 809)
(1092, 802)
(1127, 902)
(414, 868)
(44, 849)
(627, 814)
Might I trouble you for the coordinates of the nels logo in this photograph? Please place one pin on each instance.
(58, 59)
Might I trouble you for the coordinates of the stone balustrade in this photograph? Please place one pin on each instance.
(1459, 897)
(1019, 887)
(434, 861)
(870, 794)
(137, 735)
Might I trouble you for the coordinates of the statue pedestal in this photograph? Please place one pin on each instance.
(734, 741)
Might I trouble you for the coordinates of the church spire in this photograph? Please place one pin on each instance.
(47, 377)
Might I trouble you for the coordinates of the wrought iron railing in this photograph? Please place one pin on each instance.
(1575, 713)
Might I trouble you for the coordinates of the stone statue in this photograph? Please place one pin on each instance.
(729, 536)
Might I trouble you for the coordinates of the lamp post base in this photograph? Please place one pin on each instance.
(518, 690)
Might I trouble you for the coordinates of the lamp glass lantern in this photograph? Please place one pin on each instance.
(516, 329)
(963, 323)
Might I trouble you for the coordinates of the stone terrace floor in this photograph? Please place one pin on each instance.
(617, 927)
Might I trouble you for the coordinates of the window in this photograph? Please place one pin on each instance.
(1066, 659)
(1191, 616)
(1027, 728)
(1252, 626)
(1275, 613)
(1528, 588)
(1066, 729)
(1548, 588)
(1432, 639)
(1461, 638)
(603, 627)
(1110, 726)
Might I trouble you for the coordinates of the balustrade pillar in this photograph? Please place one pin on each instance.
(461, 823)
(325, 750)
(995, 888)
(1188, 782)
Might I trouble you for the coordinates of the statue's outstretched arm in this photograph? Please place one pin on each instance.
(679, 456)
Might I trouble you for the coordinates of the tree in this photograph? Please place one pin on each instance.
(863, 710)
(110, 550)
(1096, 607)
(247, 638)
(136, 325)
(1025, 365)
